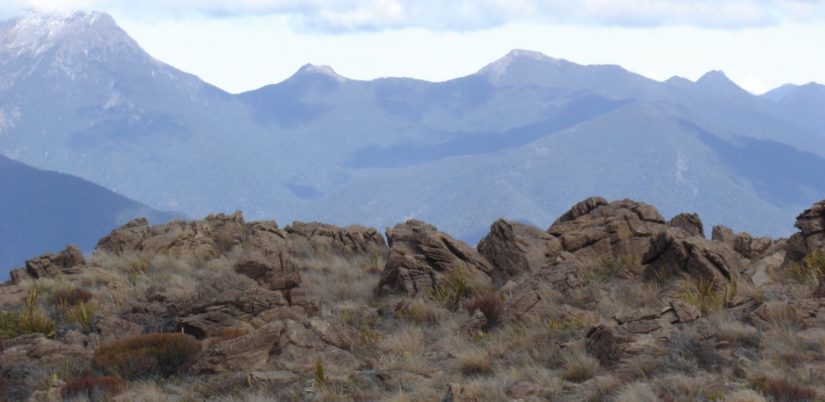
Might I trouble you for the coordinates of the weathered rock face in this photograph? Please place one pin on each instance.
(674, 252)
(317, 237)
(420, 257)
(811, 236)
(515, 248)
(225, 301)
(595, 228)
(51, 265)
(638, 332)
(723, 234)
(690, 223)
(209, 238)
(275, 272)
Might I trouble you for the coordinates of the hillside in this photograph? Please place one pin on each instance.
(42, 210)
(611, 302)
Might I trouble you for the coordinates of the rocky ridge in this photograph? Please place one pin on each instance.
(610, 301)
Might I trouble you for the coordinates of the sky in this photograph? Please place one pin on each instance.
(241, 45)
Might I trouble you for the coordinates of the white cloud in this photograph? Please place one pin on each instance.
(358, 15)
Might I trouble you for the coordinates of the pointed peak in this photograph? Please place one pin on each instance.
(714, 76)
(501, 66)
(315, 70)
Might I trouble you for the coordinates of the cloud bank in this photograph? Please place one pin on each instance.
(459, 15)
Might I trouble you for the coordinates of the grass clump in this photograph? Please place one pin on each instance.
(147, 356)
(456, 286)
(32, 319)
(811, 270)
(93, 388)
(708, 295)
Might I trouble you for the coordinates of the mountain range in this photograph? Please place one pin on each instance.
(42, 210)
(523, 138)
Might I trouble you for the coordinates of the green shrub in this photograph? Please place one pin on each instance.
(147, 356)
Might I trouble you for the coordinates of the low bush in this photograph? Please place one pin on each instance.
(780, 390)
(93, 388)
(147, 356)
(490, 305)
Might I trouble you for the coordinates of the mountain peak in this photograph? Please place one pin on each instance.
(501, 66)
(38, 32)
(717, 80)
(309, 70)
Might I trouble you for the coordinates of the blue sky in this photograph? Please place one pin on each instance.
(244, 44)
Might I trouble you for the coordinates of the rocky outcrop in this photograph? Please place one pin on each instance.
(690, 223)
(210, 238)
(421, 257)
(317, 237)
(811, 235)
(743, 243)
(515, 248)
(51, 265)
(595, 229)
(674, 252)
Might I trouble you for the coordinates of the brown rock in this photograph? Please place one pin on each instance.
(420, 258)
(52, 265)
(690, 223)
(595, 229)
(226, 300)
(317, 237)
(246, 353)
(275, 272)
(723, 234)
(673, 253)
(515, 248)
(811, 235)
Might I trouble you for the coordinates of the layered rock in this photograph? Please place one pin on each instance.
(674, 252)
(595, 229)
(515, 248)
(421, 257)
(314, 237)
(51, 265)
(210, 238)
(690, 223)
(811, 235)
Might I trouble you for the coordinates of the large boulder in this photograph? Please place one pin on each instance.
(690, 223)
(674, 252)
(515, 248)
(594, 229)
(226, 300)
(421, 258)
(314, 238)
(51, 265)
(811, 235)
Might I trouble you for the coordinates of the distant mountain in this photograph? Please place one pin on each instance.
(804, 104)
(524, 137)
(41, 211)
